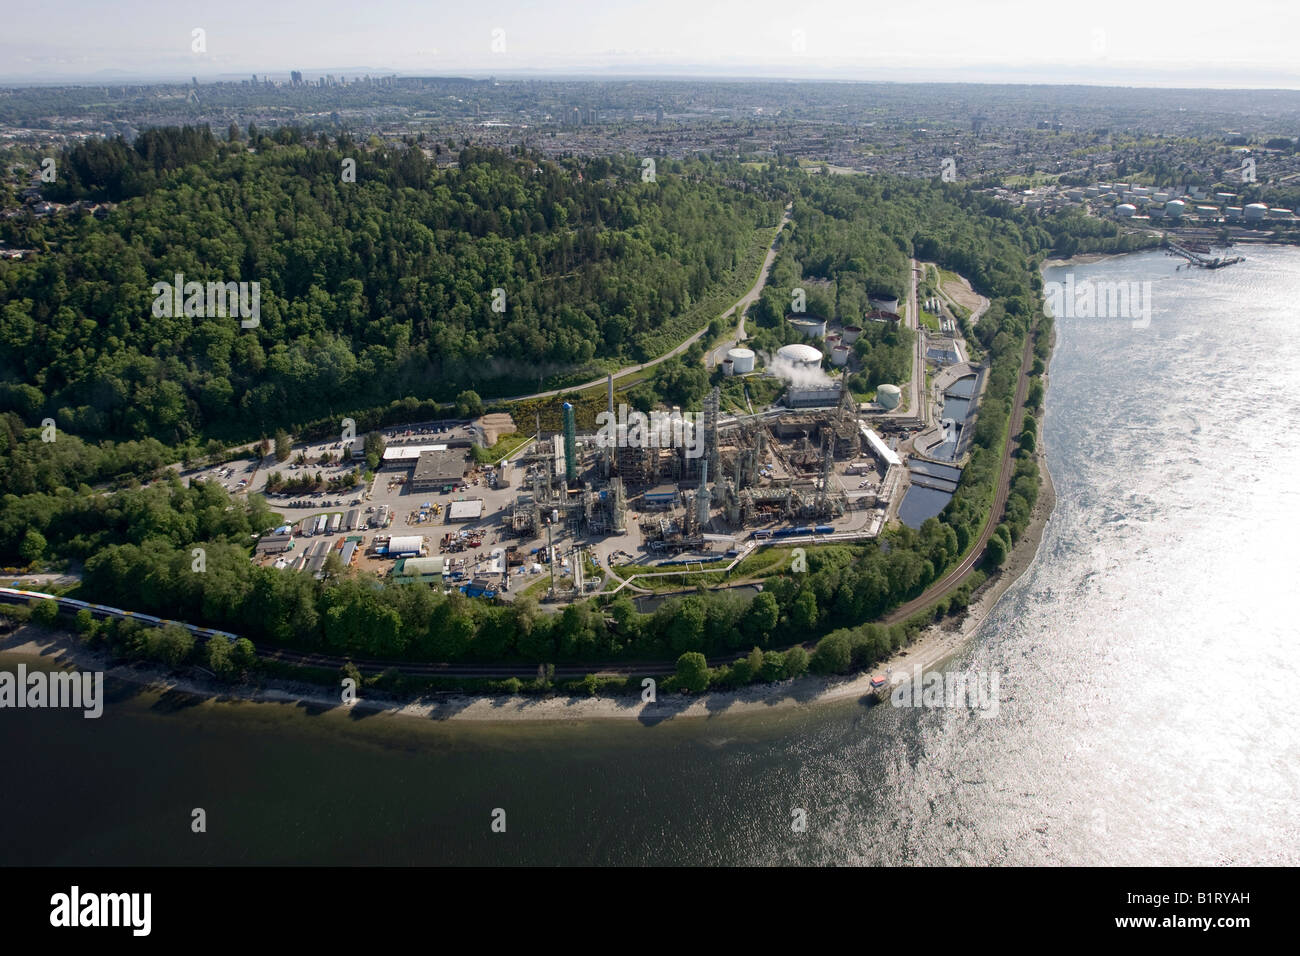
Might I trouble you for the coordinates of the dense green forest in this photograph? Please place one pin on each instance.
(137, 544)
(370, 291)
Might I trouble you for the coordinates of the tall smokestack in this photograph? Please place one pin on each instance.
(570, 444)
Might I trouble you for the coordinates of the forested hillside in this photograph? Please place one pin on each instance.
(370, 290)
(852, 235)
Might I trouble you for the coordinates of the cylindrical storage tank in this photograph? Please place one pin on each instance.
(840, 355)
(851, 333)
(889, 396)
(832, 339)
(728, 367)
(811, 328)
(1175, 207)
(1256, 210)
(885, 305)
(800, 355)
(742, 360)
(1125, 210)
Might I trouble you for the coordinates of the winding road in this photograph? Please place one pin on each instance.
(949, 583)
(741, 305)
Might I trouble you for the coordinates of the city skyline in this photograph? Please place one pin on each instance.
(1006, 42)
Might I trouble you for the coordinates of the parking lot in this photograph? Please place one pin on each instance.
(426, 513)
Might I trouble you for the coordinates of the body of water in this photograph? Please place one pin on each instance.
(1147, 666)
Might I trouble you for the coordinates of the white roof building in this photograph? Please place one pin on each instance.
(883, 452)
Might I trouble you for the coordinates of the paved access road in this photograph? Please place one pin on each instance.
(743, 303)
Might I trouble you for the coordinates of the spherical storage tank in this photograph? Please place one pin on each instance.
(742, 360)
(840, 355)
(1256, 210)
(889, 396)
(800, 355)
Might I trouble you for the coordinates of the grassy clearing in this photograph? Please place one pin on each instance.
(501, 450)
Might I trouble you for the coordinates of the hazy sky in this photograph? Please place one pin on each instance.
(1191, 43)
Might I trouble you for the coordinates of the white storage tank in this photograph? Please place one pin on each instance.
(728, 367)
(884, 304)
(800, 355)
(889, 396)
(1125, 210)
(810, 328)
(1175, 207)
(1256, 211)
(851, 333)
(840, 355)
(742, 360)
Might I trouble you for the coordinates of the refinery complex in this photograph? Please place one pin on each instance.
(670, 493)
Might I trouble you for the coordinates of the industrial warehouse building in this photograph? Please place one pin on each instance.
(274, 544)
(885, 456)
(820, 397)
(469, 510)
(437, 468)
(661, 496)
(424, 570)
(406, 546)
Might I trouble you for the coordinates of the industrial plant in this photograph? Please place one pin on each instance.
(668, 489)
